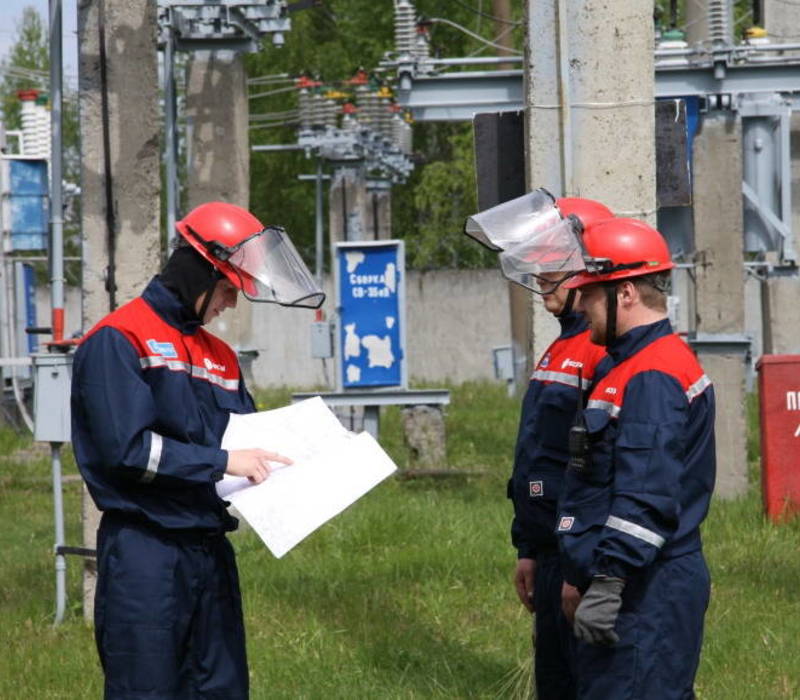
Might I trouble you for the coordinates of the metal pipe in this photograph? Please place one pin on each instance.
(171, 165)
(769, 47)
(56, 177)
(473, 60)
(57, 279)
(58, 512)
(788, 252)
(266, 148)
(318, 230)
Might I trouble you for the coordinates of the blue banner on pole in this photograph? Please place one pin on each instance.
(26, 203)
(371, 314)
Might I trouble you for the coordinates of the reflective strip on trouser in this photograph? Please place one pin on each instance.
(168, 617)
(660, 628)
(554, 653)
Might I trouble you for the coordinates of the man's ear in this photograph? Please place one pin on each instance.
(627, 293)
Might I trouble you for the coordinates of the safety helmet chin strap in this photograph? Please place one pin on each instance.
(568, 304)
(611, 313)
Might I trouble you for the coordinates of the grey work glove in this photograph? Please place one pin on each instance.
(597, 612)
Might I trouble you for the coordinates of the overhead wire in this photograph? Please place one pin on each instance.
(486, 14)
(497, 38)
(277, 91)
(478, 37)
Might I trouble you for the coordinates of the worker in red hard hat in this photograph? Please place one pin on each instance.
(639, 480)
(152, 394)
(540, 249)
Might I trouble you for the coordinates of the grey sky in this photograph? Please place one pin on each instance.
(11, 16)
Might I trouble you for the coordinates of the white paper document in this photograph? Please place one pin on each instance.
(332, 469)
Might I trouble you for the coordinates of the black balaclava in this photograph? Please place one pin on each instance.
(188, 274)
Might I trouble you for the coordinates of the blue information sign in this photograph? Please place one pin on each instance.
(25, 191)
(371, 299)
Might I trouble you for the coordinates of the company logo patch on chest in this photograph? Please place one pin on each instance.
(162, 348)
(210, 365)
(536, 488)
(566, 523)
(545, 361)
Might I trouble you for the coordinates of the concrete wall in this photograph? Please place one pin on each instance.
(454, 319)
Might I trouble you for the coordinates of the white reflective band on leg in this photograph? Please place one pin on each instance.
(636, 531)
(156, 444)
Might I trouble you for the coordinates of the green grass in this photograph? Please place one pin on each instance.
(405, 595)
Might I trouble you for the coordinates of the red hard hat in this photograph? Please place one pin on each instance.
(587, 210)
(224, 223)
(617, 249)
(261, 261)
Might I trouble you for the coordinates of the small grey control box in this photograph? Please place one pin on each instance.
(321, 340)
(52, 375)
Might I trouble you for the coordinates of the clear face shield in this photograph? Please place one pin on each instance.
(514, 221)
(544, 259)
(270, 269)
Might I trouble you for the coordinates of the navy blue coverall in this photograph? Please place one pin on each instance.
(151, 397)
(541, 455)
(635, 513)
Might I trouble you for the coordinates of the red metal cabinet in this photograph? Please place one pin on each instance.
(779, 416)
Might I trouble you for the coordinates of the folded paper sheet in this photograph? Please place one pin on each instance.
(332, 469)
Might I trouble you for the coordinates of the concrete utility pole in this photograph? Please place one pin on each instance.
(520, 303)
(349, 211)
(218, 167)
(589, 93)
(782, 22)
(217, 113)
(719, 275)
(379, 193)
(120, 171)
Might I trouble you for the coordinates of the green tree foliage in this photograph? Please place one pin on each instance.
(29, 53)
(330, 43)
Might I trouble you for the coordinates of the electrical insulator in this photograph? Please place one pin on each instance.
(401, 134)
(305, 109)
(719, 21)
(385, 121)
(328, 113)
(404, 26)
(35, 124)
(422, 45)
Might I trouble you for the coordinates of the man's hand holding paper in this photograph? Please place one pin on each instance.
(253, 463)
(331, 469)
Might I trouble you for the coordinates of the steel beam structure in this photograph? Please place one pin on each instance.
(459, 96)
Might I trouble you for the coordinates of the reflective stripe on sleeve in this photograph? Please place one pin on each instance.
(609, 407)
(156, 445)
(698, 388)
(634, 530)
(545, 375)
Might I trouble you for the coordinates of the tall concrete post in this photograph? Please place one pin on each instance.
(719, 275)
(120, 170)
(782, 22)
(218, 165)
(348, 204)
(590, 125)
(379, 215)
